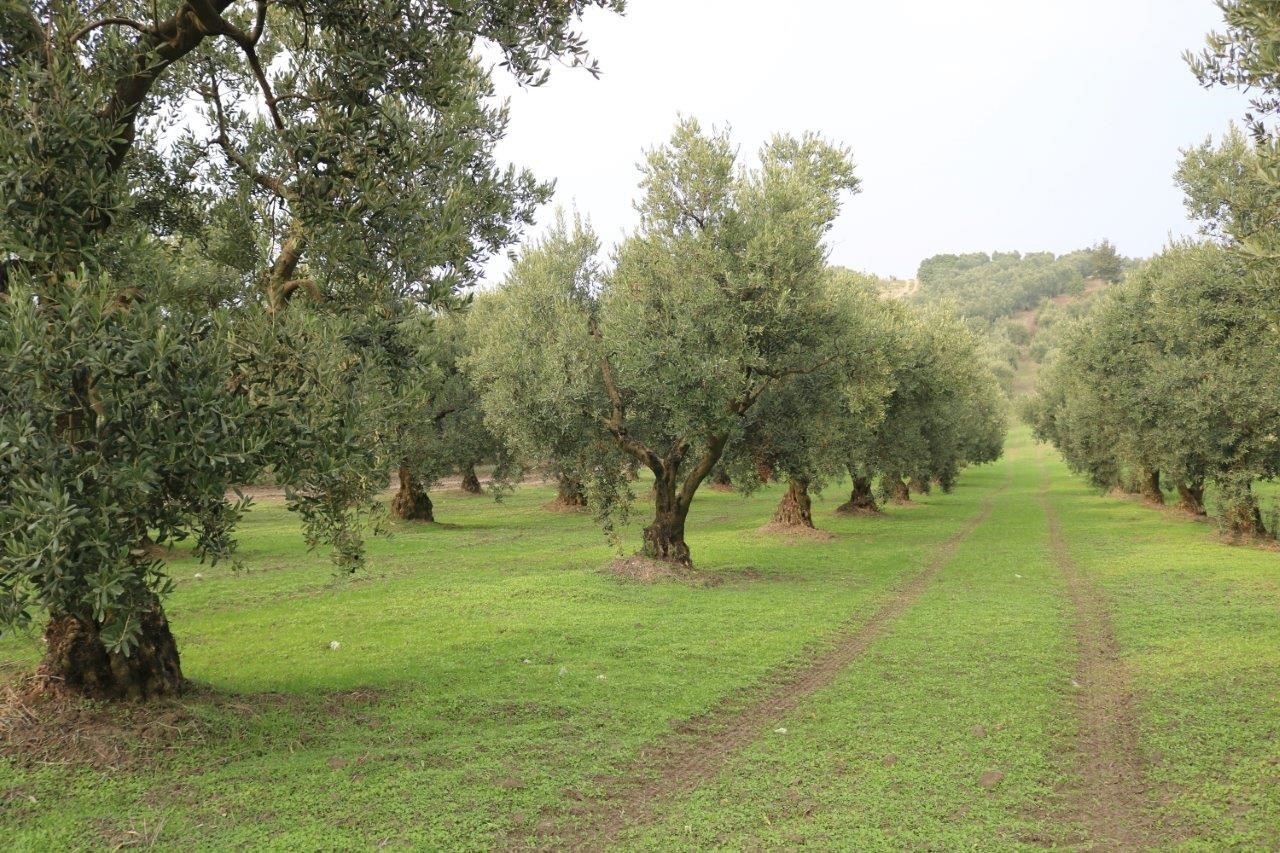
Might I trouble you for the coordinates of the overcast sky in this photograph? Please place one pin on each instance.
(984, 125)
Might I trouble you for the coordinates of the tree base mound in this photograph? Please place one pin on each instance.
(858, 511)
(796, 531)
(642, 569)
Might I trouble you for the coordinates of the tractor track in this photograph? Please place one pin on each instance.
(695, 750)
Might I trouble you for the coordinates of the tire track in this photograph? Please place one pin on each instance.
(697, 749)
(1109, 798)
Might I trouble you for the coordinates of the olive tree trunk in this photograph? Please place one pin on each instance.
(470, 482)
(570, 492)
(1149, 483)
(411, 502)
(920, 485)
(1240, 513)
(795, 508)
(76, 661)
(862, 500)
(896, 488)
(720, 480)
(1191, 497)
(664, 538)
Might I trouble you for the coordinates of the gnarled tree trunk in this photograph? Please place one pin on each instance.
(920, 485)
(795, 508)
(862, 500)
(75, 661)
(664, 538)
(896, 488)
(720, 480)
(570, 492)
(1240, 513)
(470, 482)
(411, 502)
(1191, 497)
(1149, 483)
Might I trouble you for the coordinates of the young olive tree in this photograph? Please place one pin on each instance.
(345, 153)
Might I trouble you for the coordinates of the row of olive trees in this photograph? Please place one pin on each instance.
(720, 337)
(218, 218)
(1174, 379)
(1171, 381)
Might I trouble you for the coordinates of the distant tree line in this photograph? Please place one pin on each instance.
(988, 287)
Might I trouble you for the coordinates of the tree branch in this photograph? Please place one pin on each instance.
(615, 423)
(111, 22)
(715, 449)
(265, 181)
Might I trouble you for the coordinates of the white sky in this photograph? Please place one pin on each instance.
(982, 125)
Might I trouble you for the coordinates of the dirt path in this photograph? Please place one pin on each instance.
(1110, 797)
(697, 749)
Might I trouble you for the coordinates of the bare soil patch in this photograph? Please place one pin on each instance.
(846, 511)
(1109, 797)
(796, 531)
(43, 728)
(694, 750)
(641, 569)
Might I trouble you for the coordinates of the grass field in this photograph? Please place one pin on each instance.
(1018, 664)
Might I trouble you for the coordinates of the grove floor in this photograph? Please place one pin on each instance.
(1019, 664)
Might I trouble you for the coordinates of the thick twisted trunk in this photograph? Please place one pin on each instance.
(664, 538)
(1240, 513)
(1191, 497)
(896, 488)
(75, 661)
(570, 492)
(411, 502)
(470, 482)
(862, 500)
(795, 508)
(1149, 483)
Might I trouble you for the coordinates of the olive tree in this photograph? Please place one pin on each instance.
(1174, 373)
(436, 421)
(345, 153)
(715, 299)
(944, 409)
(532, 362)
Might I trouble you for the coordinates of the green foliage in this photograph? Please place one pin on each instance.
(535, 366)
(345, 152)
(116, 428)
(802, 429)
(1174, 371)
(717, 298)
(436, 424)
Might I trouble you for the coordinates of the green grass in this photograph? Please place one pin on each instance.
(488, 664)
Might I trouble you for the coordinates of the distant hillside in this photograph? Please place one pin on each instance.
(1019, 300)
